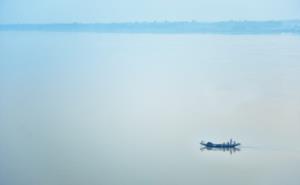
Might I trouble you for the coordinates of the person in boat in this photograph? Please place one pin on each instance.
(209, 144)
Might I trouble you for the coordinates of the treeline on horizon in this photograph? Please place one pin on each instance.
(224, 27)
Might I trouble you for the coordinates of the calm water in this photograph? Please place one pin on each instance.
(131, 109)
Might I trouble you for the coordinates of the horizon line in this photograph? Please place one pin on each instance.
(158, 21)
(224, 27)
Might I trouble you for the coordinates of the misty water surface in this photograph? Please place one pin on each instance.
(87, 108)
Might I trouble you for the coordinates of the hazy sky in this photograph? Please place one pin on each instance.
(33, 11)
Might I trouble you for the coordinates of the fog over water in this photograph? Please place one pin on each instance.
(88, 108)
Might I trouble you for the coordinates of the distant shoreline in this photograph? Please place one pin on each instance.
(223, 27)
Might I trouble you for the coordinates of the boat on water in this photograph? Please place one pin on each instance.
(231, 150)
(230, 144)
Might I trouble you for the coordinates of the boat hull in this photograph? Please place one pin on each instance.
(211, 145)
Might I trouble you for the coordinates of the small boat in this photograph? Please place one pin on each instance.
(230, 144)
(231, 150)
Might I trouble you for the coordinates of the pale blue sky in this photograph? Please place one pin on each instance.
(35, 11)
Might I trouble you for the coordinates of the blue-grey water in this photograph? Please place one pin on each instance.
(131, 109)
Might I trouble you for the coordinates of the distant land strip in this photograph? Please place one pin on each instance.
(222, 27)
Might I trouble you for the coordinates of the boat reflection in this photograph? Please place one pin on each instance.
(231, 150)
